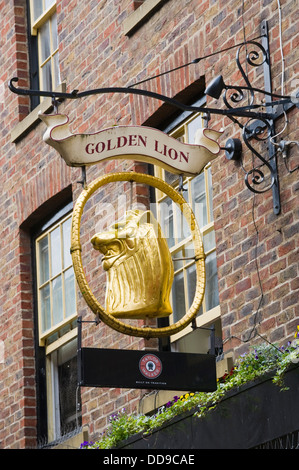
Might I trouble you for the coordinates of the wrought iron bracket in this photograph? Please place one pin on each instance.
(271, 123)
(254, 132)
(260, 125)
(260, 129)
(56, 96)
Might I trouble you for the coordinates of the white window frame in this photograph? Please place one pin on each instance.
(52, 385)
(36, 25)
(205, 317)
(45, 335)
(59, 335)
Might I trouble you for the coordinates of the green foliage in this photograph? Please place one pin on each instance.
(259, 361)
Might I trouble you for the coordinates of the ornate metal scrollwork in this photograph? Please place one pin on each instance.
(255, 176)
(256, 131)
(252, 57)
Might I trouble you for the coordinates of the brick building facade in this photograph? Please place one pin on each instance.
(118, 44)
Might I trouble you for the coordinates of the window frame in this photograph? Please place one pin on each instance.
(55, 430)
(39, 21)
(178, 129)
(44, 335)
(48, 347)
(140, 15)
(35, 31)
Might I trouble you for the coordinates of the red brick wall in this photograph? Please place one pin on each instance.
(257, 250)
(95, 53)
(17, 405)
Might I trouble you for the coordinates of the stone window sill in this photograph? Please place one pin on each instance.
(72, 442)
(139, 16)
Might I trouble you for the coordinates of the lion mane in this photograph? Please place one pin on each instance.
(138, 265)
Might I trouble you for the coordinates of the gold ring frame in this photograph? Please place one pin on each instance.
(92, 302)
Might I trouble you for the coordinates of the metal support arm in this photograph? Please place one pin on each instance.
(259, 126)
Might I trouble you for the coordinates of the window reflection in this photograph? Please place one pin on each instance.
(166, 221)
(178, 297)
(211, 294)
(199, 199)
(44, 260)
(55, 252)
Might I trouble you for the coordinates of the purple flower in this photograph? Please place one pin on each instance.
(85, 444)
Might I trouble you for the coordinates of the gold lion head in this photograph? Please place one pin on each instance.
(139, 267)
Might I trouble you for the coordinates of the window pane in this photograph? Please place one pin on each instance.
(199, 204)
(182, 226)
(210, 193)
(179, 263)
(57, 300)
(49, 3)
(209, 241)
(57, 286)
(37, 8)
(67, 395)
(198, 193)
(70, 294)
(47, 77)
(45, 307)
(54, 32)
(43, 260)
(191, 280)
(211, 293)
(45, 41)
(178, 297)
(189, 250)
(40, 6)
(67, 378)
(56, 264)
(56, 70)
(167, 220)
(66, 233)
(193, 126)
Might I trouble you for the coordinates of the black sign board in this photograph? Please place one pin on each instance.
(116, 368)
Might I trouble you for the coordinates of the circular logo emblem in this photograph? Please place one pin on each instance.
(150, 366)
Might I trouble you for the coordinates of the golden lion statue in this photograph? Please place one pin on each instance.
(138, 265)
